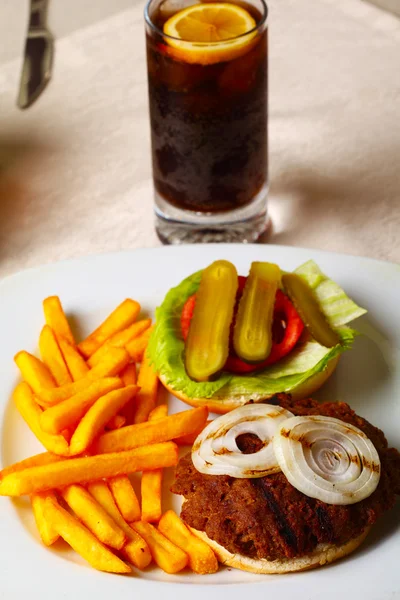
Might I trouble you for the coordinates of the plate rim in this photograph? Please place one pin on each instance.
(171, 247)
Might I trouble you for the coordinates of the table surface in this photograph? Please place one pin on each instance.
(75, 173)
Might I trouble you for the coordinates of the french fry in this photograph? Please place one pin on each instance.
(66, 414)
(32, 413)
(151, 482)
(88, 468)
(125, 497)
(123, 316)
(159, 412)
(119, 340)
(34, 372)
(136, 551)
(74, 361)
(151, 495)
(112, 364)
(49, 398)
(147, 397)
(189, 440)
(47, 533)
(162, 430)
(52, 356)
(44, 458)
(116, 422)
(93, 515)
(129, 375)
(166, 555)
(202, 559)
(56, 319)
(137, 346)
(82, 540)
(97, 417)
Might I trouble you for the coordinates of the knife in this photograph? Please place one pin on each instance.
(38, 56)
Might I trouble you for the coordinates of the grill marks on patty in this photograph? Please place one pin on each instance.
(268, 517)
(283, 528)
(325, 522)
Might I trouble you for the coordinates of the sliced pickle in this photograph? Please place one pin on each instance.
(207, 344)
(252, 336)
(308, 308)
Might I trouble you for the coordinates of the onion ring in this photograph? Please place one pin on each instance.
(327, 459)
(215, 451)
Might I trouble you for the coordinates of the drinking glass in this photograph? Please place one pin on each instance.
(208, 117)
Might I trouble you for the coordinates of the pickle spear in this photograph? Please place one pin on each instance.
(308, 308)
(252, 335)
(207, 344)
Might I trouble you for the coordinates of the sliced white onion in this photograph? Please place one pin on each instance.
(327, 459)
(215, 451)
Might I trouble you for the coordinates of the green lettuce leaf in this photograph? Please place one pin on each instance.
(338, 308)
(166, 346)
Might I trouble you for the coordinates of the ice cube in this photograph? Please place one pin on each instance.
(171, 7)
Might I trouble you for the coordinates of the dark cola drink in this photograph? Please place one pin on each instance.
(208, 125)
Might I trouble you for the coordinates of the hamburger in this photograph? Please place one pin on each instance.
(265, 524)
(298, 361)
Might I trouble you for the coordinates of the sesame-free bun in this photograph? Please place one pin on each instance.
(322, 555)
(221, 404)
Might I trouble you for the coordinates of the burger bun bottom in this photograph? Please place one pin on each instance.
(322, 555)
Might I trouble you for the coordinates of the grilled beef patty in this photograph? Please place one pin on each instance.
(269, 518)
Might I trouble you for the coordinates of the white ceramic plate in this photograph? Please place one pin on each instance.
(368, 377)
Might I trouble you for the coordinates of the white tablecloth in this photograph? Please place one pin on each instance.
(75, 172)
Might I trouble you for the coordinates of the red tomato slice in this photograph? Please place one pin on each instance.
(287, 329)
(187, 314)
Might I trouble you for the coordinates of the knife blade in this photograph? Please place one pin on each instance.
(38, 56)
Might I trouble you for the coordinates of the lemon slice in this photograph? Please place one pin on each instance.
(210, 32)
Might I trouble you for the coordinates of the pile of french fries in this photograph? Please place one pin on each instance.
(99, 420)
